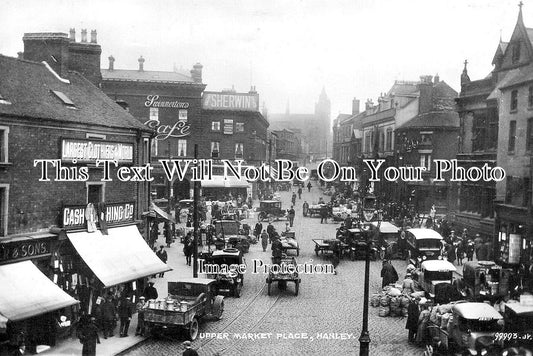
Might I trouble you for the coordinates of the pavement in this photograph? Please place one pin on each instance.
(325, 318)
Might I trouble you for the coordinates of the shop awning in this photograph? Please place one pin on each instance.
(121, 256)
(215, 182)
(220, 182)
(161, 214)
(27, 292)
(233, 182)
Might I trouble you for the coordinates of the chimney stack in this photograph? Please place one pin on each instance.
(72, 35)
(196, 73)
(252, 90)
(141, 64)
(369, 104)
(425, 100)
(436, 80)
(84, 35)
(20, 55)
(355, 106)
(111, 62)
(93, 36)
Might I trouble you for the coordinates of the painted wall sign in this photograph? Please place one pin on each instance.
(179, 129)
(74, 215)
(152, 101)
(230, 101)
(88, 151)
(23, 250)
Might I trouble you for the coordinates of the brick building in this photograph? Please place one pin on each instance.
(168, 102)
(50, 112)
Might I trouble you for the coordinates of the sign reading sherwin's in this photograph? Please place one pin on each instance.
(88, 151)
(230, 101)
(74, 216)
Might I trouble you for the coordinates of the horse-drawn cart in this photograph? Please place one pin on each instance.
(283, 270)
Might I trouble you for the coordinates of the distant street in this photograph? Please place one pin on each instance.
(328, 309)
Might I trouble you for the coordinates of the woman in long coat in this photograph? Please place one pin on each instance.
(388, 273)
(413, 313)
(264, 240)
(89, 338)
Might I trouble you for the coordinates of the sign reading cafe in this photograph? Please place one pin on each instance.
(88, 151)
(180, 128)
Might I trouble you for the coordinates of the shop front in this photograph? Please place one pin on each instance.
(220, 189)
(31, 319)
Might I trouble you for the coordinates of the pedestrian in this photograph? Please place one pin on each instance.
(323, 214)
(470, 247)
(188, 248)
(413, 313)
(140, 308)
(309, 186)
(150, 292)
(291, 215)
(451, 253)
(293, 199)
(305, 208)
(125, 310)
(189, 351)
(109, 314)
(270, 231)
(162, 254)
(257, 230)
(336, 256)
(388, 273)
(299, 192)
(478, 242)
(167, 232)
(89, 336)
(154, 233)
(264, 240)
(277, 251)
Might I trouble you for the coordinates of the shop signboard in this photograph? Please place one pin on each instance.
(230, 101)
(24, 250)
(75, 217)
(88, 151)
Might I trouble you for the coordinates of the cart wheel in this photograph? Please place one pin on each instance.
(237, 290)
(193, 329)
(296, 287)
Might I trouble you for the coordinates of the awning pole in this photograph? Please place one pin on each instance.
(195, 219)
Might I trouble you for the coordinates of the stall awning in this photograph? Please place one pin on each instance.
(27, 292)
(215, 182)
(119, 257)
(233, 182)
(220, 182)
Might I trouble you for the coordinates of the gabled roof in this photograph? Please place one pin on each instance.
(433, 119)
(29, 87)
(145, 76)
(403, 88)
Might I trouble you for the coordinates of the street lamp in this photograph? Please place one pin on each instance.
(368, 212)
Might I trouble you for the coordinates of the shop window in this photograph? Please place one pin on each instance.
(239, 151)
(239, 127)
(389, 139)
(4, 135)
(4, 195)
(514, 100)
(215, 149)
(228, 126)
(182, 148)
(95, 193)
(215, 126)
(529, 138)
(512, 136)
(182, 115)
(425, 161)
(154, 114)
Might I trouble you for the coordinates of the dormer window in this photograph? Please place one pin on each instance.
(65, 99)
(516, 52)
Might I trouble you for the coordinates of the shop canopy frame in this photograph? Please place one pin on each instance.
(26, 292)
(119, 257)
(158, 213)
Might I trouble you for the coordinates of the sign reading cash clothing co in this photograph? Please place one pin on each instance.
(230, 101)
(74, 216)
(88, 151)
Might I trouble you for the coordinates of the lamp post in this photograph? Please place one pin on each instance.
(368, 211)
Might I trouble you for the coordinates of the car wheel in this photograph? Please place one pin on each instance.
(218, 307)
(193, 329)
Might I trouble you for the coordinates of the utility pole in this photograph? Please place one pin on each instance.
(168, 182)
(195, 219)
(270, 163)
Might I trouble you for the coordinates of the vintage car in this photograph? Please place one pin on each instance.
(423, 244)
(388, 240)
(270, 210)
(485, 280)
(357, 244)
(232, 235)
(473, 328)
(228, 278)
(189, 300)
(433, 274)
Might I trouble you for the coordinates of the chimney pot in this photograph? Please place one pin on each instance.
(111, 62)
(437, 78)
(20, 55)
(72, 35)
(141, 64)
(196, 73)
(93, 36)
(84, 35)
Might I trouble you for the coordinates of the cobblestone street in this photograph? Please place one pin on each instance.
(327, 313)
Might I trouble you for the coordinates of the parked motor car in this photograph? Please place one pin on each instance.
(270, 210)
(485, 280)
(228, 277)
(423, 244)
(388, 240)
(434, 273)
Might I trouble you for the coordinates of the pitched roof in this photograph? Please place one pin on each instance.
(403, 88)
(29, 87)
(433, 119)
(145, 76)
(516, 76)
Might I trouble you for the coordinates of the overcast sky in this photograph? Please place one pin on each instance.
(288, 49)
